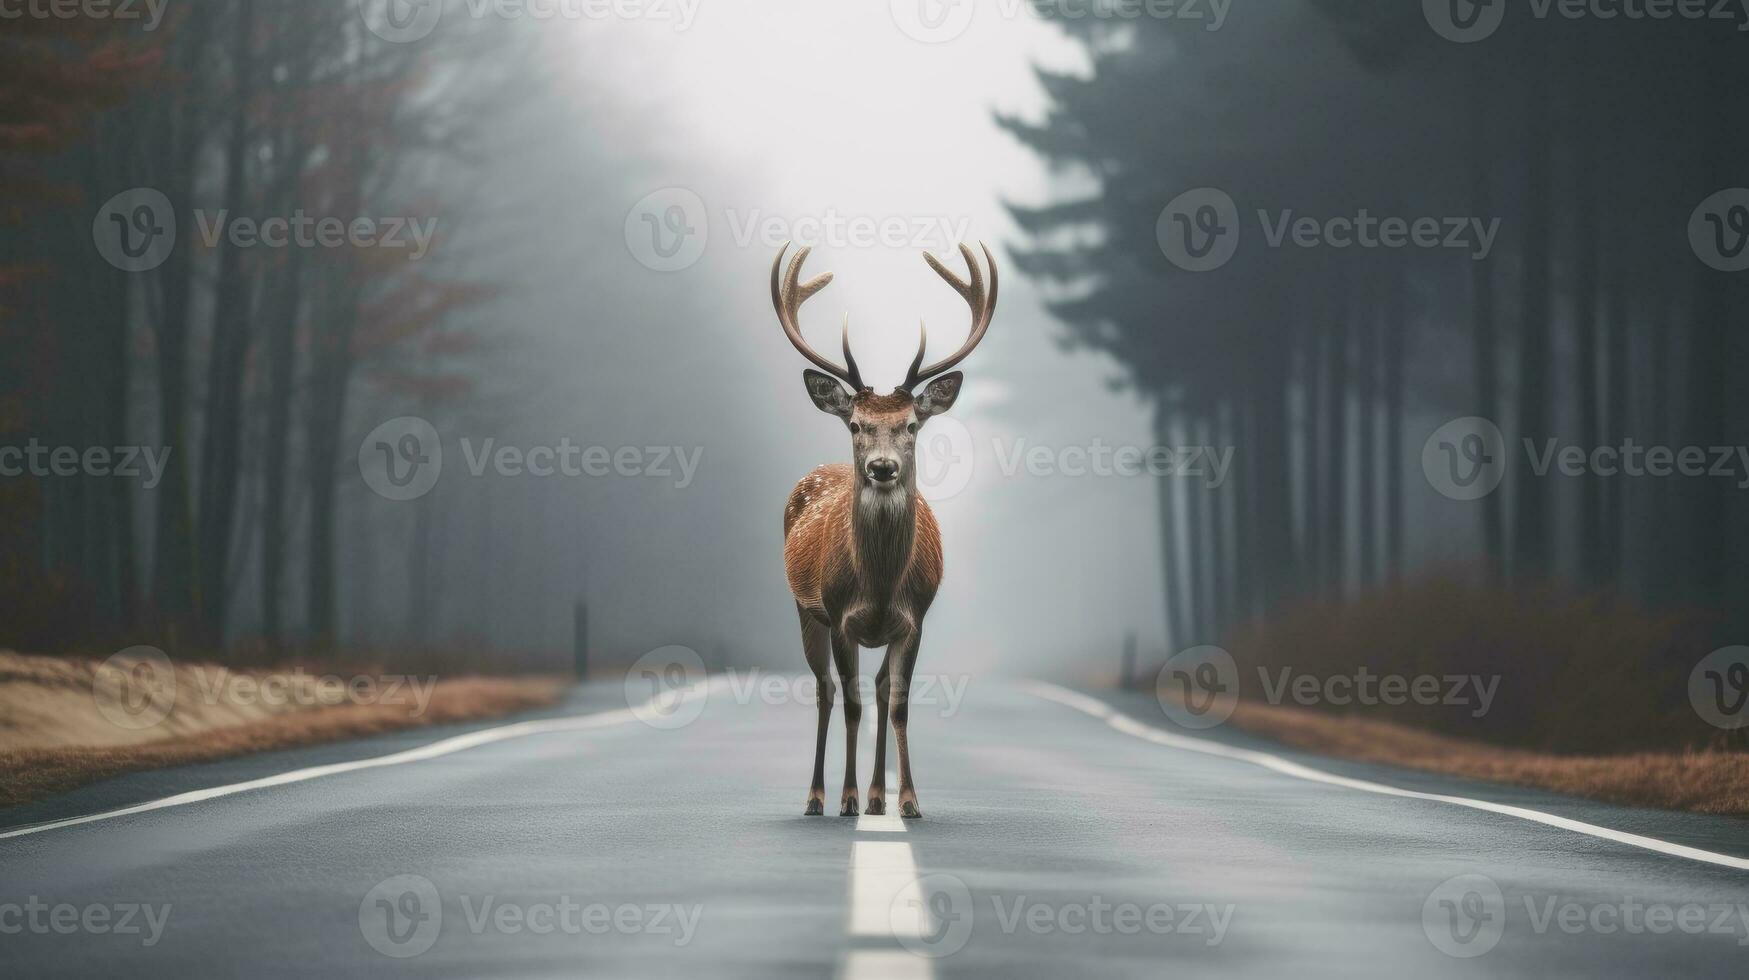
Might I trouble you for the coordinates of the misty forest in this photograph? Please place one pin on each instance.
(1574, 312)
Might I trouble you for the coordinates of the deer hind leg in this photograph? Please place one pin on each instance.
(904, 656)
(877, 785)
(844, 651)
(816, 646)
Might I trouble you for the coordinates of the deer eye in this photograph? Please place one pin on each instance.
(912, 428)
(854, 428)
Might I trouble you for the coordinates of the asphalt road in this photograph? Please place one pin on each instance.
(1056, 843)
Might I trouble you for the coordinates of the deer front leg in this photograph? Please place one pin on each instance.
(877, 786)
(904, 655)
(817, 789)
(815, 646)
(844, 653)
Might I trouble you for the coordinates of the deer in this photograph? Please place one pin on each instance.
(862, 550)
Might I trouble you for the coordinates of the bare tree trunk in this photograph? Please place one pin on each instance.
(1485, 338)
(1709, 349)
(1531, 531)
(1336, 425)
(1396, 364)
(1200, 580)
(180, 128)
(1271, 540)
(1618, 396)
(1585, 311)
(1225, 509)
(1311, 422)
(220, 470)
(281, 368)
(1366, 394)
(331, 371)
(1172, 578)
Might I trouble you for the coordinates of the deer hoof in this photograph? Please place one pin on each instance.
(877, 807)
(815, 808)
(848, 808)
(909, 810)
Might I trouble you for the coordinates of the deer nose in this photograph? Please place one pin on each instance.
(883, 470)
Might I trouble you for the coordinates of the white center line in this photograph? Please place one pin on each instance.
(885, 964)
(886, 902)
(883, 876)
(890, 823)
(1129, 726)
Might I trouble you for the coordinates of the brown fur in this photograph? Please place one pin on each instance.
(819, 554)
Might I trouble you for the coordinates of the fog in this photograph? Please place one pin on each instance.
(449, 316)
(872, 148)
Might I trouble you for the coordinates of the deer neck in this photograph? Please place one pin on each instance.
(883, 528)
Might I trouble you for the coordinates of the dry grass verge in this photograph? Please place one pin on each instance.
(1592, 690)
(1701, 782)
(54, 737)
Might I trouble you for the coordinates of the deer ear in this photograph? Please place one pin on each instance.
(827, 394)
(940, 395)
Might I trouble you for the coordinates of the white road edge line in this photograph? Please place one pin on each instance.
(1123, 723)
(448, 746)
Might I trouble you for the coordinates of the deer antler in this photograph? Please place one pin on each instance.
(788, 295)
(983, 311)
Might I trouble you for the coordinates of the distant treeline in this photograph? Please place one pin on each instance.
(1590, 318)
(242, 363)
